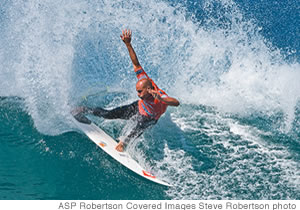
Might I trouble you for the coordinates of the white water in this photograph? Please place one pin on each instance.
(56, 48)
(57, 51)
(245, 165)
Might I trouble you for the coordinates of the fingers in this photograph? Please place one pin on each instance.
(126, 33)
(153, 92)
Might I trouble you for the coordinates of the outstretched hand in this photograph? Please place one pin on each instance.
(154, 93)
(126, 36)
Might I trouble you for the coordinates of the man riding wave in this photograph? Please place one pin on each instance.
(146, 111)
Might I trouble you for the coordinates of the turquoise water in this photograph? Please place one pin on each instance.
(233, 66)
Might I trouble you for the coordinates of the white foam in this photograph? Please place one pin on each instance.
(232, 69)
(246, 166)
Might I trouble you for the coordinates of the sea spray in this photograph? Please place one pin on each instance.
(229, 139)
(61, 51)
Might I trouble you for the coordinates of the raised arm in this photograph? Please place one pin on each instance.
(126, 37)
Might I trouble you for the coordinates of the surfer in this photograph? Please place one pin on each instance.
(145, 112)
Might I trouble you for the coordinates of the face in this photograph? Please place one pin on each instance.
(142, 91)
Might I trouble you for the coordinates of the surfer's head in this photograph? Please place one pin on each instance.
(142, 87)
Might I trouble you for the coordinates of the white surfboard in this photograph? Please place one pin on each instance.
(108, 144)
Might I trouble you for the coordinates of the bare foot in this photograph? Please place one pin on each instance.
(120, 146)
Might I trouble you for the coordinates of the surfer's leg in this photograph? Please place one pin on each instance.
(123, 112)
(142, 124)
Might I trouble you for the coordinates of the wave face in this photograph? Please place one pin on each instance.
(236, 134)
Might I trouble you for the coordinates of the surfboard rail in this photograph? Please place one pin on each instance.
(108, 144)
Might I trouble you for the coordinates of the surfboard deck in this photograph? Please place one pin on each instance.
(108, 144)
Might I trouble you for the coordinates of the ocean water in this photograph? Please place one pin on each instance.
(233, 64)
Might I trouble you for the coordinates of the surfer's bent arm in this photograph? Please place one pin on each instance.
(170, 101)
(126, 37)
